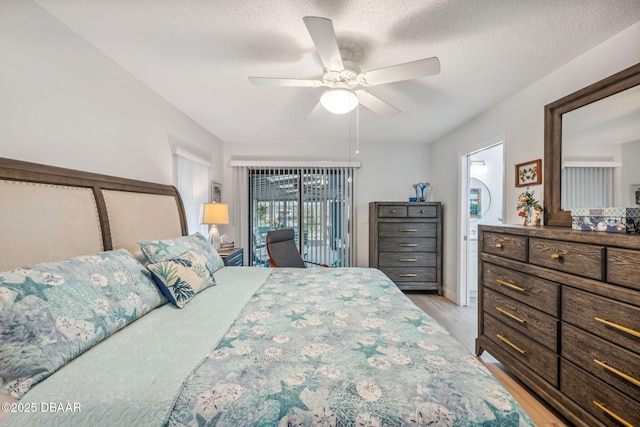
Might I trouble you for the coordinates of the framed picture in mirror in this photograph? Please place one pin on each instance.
(635, 196)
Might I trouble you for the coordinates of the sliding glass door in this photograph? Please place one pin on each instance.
(315, 202)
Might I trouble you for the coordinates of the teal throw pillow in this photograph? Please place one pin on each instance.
(182, 277)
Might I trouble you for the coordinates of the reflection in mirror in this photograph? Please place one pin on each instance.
(600, 149)
(479, 199)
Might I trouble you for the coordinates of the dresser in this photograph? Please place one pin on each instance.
(560, 309)
(405, 243)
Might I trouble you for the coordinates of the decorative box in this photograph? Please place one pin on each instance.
(612, 220)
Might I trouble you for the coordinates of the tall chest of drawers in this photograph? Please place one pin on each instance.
(561, 310)
(405, 243)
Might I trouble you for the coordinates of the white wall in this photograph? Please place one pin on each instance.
(64, 103)
(521, 119)
(387, 173)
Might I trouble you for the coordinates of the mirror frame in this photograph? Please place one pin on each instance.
(553, 112)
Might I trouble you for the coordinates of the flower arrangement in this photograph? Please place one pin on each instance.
(526, 202)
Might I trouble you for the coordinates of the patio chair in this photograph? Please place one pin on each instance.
(283, 251)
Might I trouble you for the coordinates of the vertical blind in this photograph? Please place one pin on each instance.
(191, 178)
(590, 187)
(317, 202)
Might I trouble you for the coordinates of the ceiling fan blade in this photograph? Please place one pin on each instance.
(275, 81)
(324, 39)
(396, 73)
(376, 105)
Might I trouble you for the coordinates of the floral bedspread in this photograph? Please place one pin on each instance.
(340, 347)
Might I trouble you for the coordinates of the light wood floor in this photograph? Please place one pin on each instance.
(462, 323)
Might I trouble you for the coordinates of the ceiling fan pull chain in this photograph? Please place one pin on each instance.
(358, 129)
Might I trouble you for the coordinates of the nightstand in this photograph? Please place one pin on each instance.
(232, 257)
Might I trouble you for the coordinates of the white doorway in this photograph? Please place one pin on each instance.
(481, 190)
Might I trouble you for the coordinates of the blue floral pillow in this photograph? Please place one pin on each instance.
(182, 277)
(164, 250)
(52, 312)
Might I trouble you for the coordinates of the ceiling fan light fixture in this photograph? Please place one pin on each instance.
(339, 100)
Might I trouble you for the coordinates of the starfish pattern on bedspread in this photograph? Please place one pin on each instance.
(340, 347)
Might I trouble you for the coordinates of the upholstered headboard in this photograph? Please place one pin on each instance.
(49, 213)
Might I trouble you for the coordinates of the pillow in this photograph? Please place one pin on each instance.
(52, 312)
(164, 250)
(182, 277)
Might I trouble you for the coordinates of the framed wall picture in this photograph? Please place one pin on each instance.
(635, 195)
(216, 192)
(529, 173)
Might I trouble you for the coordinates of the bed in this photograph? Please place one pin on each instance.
(112, 315)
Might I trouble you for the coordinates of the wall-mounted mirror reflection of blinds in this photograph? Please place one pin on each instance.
(600, 152)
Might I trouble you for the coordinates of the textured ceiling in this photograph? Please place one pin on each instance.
(198, 54)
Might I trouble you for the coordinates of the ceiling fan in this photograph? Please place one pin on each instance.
(342, 77)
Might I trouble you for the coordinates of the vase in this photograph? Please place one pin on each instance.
(423, 186)
(529, 216)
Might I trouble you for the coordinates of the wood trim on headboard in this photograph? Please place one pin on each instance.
(18, 170)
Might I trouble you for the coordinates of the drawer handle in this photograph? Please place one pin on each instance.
(612, 414)
(499, 245)
(409, 230)
(617, 372)
(512, 345)
(409, 244)
(393, 211)
(409, 260)
(556, 256)
(511, 285)
(619, 327)
(513, 316)
(421, 210)
(408, 274)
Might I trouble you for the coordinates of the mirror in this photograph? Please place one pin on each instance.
(601, 144)
(479, 199)
(553, 135)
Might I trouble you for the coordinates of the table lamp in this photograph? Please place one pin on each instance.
(215, 213)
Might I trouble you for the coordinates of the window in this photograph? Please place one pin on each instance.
(191, 178)
(315, 202)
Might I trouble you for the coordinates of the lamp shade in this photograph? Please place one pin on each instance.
(339, 100)
(215, 213)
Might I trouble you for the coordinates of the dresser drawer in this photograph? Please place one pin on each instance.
(524, 349)
(576, 258)
(407, 244)
(623, 267)
(423, 211)
(506, 245)
(611, 320)
(410, 274)
(600, 400)
(407, 229)
(531, 290)
(531, 322)
(416, 259)
(389, 211)
(610, 363)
